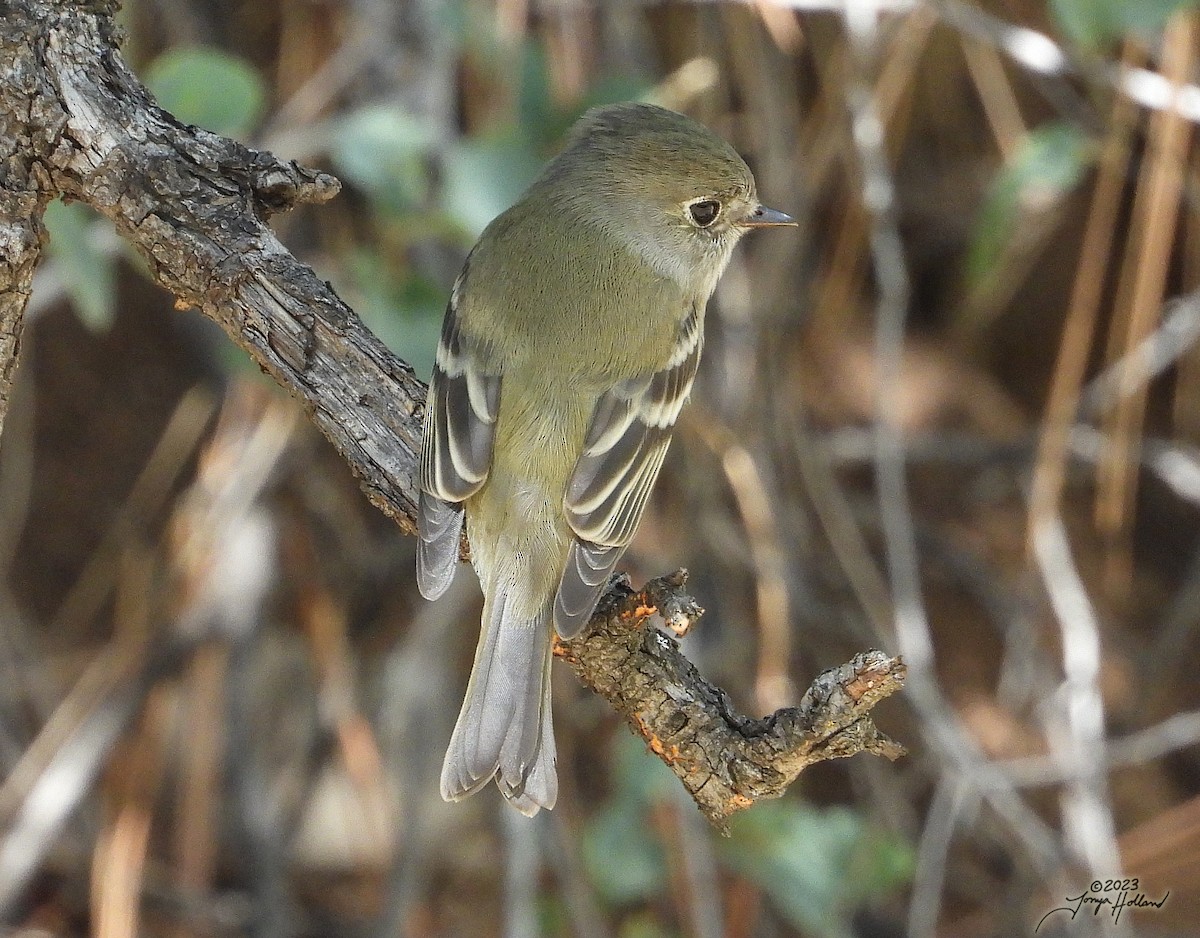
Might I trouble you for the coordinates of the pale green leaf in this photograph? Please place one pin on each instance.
(484, 176)
(86, 266)
(625, 861)
(208, 88)
(1094, 24)
(383, 151)
(405, 312)
(624, 858)
(1047, 165)
(817, 864)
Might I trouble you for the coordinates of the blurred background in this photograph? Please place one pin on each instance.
(955, 415)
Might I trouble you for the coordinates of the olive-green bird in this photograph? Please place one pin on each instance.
(569, 346)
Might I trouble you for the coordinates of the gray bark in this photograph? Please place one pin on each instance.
(78, 124)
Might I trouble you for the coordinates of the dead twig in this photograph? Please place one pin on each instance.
(726, 761)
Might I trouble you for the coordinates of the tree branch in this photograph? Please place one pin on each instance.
(24, 193)
(195, 206)
(725, 760)
(21, 235)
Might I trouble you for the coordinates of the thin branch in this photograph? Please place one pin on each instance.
(41, 794)
(952, 799)
(1075, 716)
(1049, 474)
(1038, 53)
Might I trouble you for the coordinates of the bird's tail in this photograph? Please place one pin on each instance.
(504, 728)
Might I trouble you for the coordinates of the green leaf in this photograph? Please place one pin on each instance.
(818, 865)
(87, 268)
(639, 777)
(625, 862)
(623, 856)
(406, 313)
(383, 151)
(535, 105)
(484, 176)
(543, 120)
(611, 89)
(1094, 24)
(208, 88)
(1047, 165)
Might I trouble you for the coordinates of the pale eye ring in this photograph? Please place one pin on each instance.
(704, 212)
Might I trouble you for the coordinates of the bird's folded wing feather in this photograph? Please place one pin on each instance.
(626, 442)
(460, 428)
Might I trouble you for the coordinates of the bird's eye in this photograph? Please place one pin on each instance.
(704, 212)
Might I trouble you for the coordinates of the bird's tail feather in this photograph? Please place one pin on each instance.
(504, 729)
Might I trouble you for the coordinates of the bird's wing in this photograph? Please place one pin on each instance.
(460, 428)
(626, 442)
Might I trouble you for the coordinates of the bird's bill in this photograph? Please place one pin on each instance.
(763, 217)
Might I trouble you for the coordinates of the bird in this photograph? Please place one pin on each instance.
(570, 343)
